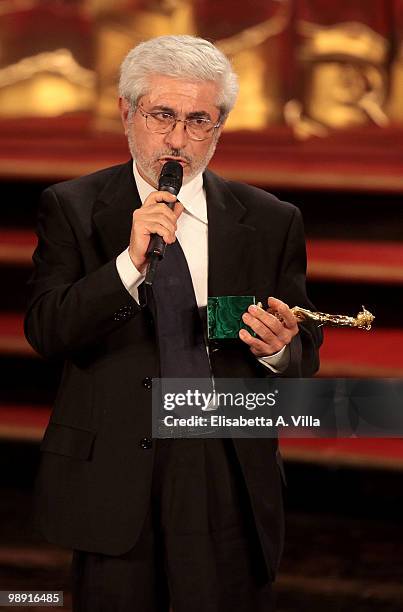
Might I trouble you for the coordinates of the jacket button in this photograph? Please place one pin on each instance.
(145, 443)
(147, 382)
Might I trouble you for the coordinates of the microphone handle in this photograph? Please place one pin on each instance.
(157, 245)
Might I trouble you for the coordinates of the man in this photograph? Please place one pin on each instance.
(191, 524)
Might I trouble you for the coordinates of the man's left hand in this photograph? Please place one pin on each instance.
(275, 328)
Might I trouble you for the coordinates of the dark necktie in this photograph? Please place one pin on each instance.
(179, 325)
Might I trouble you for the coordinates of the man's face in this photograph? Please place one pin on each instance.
(184, 99)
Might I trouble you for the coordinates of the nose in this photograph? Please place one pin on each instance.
(178, 137)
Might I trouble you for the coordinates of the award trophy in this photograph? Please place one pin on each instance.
(224, 316)
(363, 320)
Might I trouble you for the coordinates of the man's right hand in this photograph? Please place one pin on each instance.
(154, 217)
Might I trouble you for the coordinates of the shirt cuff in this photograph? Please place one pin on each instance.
(129, 275)
(278, 362)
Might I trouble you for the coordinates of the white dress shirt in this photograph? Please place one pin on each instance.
(192, 228)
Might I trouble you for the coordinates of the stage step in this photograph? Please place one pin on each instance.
(384, 453)
(16, 246)
(359, 353)
(23, 423)
(355, 261)
(12, 339)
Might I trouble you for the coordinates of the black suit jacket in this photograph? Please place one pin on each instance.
(94, 482)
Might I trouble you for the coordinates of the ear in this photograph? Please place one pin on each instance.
(124, 107)
(219, 130)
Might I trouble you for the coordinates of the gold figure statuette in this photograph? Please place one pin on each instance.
(363, 320)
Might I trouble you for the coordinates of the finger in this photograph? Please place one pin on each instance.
(157, 228)
(262, 319)
(159, 213)
(276, 339)
(159, 196)
(282, 310)
(155, 210)
(258, 347)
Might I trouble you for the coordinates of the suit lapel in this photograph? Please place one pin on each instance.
(113, 211)
(230, 241)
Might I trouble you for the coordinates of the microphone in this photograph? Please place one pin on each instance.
(170, 179)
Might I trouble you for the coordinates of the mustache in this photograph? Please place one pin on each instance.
(173, 153)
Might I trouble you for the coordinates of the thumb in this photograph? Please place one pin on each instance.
(275, 303)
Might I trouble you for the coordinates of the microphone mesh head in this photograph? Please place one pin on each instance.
(171, 177)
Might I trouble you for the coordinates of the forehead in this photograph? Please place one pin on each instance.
(182, 94)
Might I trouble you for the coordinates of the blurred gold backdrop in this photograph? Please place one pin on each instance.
(315, 67)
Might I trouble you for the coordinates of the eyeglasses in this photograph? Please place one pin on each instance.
(162, 122)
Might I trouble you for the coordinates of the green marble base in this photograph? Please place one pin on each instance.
(224, 316)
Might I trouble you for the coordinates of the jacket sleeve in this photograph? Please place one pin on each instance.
(69, 309)
(291, 288)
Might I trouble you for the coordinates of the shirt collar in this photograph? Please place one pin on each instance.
(191, 195)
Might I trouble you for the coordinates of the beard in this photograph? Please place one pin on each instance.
(150, 167)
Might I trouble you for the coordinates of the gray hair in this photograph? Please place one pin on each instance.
(182, 57)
